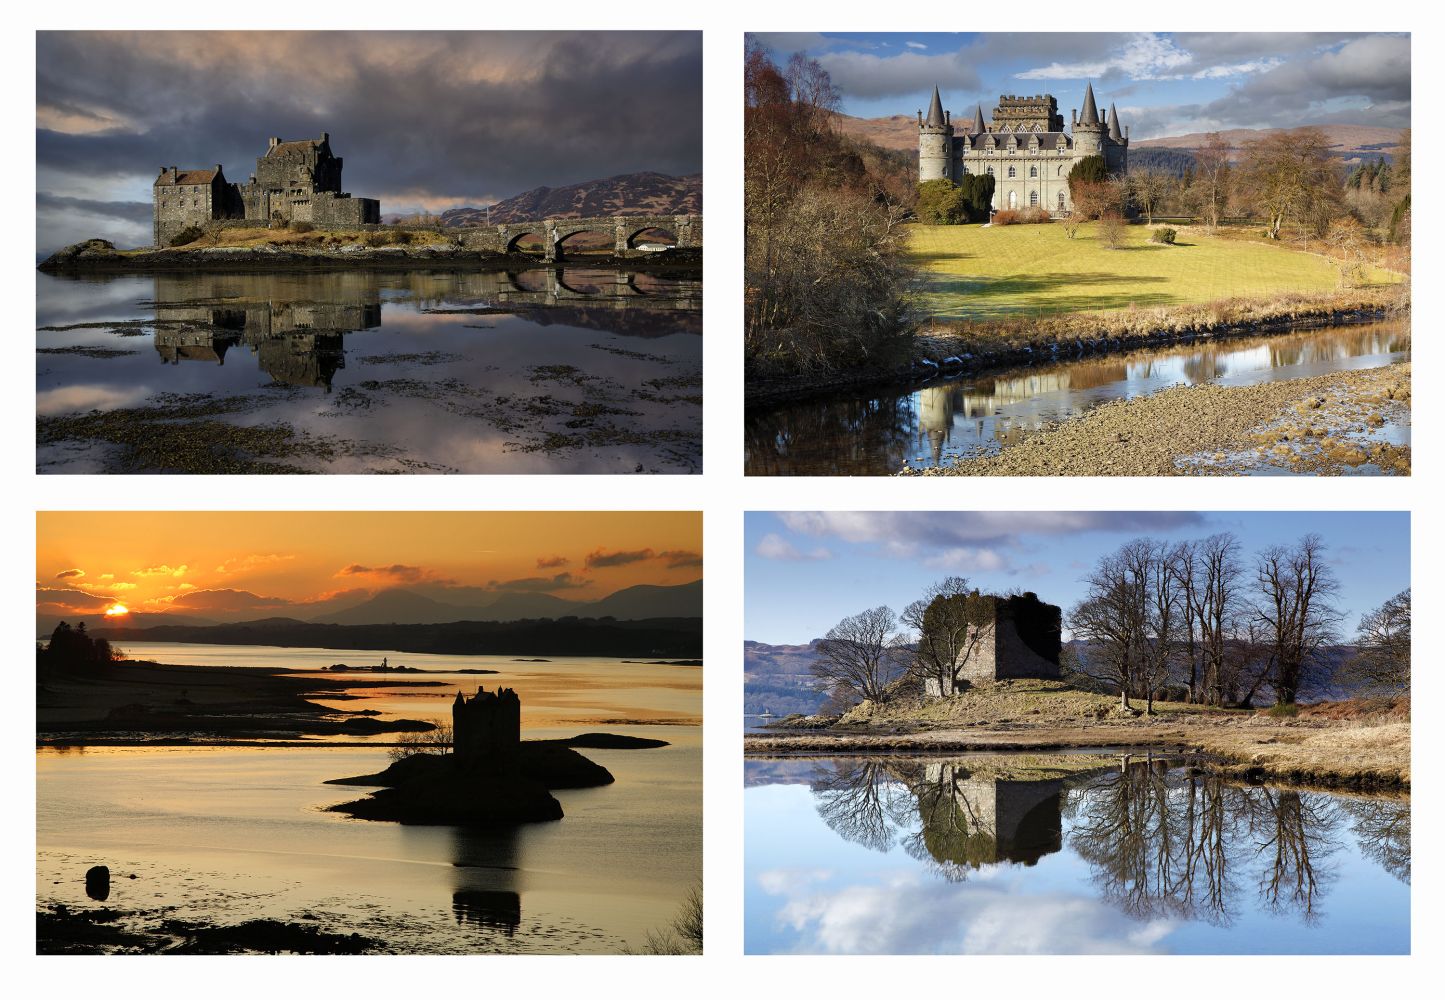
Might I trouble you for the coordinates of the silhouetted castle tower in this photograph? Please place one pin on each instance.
(486, 728)
(1025, 147)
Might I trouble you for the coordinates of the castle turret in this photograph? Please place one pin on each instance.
(1089, 130)
(935, 143)
(978, 127)
(1116, 153)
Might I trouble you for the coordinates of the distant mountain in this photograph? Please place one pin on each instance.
(409, 607)
(644, 193)
(653, 638)
(1346, 141)
(392, 606)
(647, 601)
(778, 679)
(1360, 142)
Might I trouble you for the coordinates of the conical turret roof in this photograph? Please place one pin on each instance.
(977, 120)
(935, 111)
(1114, 131)
(1090, 115)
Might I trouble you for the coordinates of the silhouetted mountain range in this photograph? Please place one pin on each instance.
(421, 605)
(660, 638)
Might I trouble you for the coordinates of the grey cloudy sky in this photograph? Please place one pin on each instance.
(1165, 83)
(428, 120)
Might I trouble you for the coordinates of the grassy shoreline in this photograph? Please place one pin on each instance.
(1360, 745)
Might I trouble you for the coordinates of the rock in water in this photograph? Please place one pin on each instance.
(97, 883)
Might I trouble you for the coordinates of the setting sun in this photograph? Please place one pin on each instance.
(116, 609)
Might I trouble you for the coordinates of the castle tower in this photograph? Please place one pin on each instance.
(1088, 129)
(935, 143)
(978, 126)
(1117, 151)
(486, 728)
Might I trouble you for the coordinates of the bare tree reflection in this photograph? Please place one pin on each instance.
(858, 799)
(1293, 834)
(1382, 827)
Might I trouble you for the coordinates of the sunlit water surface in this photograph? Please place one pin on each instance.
(859, 855)
(877, 433)
(527, 371)
(227, 834)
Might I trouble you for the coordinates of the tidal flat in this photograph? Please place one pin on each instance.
(535, 370)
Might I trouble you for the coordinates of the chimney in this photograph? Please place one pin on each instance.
(274, 142)
(325, 136)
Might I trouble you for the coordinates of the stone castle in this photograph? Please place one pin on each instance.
(1023, 640)
(486, 728)
(296, 181)
(1024, 147)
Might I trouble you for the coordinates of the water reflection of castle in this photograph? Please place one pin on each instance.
(978, 819)
(293, 324)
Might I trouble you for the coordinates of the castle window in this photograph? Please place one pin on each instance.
(1033, 199)
(1061, 201)
(1011, 171)
(1033, 171)
(990, 171)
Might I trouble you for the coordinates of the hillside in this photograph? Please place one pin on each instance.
(900, 132)
(644, 193)
(777, 679)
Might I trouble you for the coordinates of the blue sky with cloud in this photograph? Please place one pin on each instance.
(1164, 83)
(806, 570)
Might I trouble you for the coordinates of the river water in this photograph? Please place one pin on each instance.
(1014, 855)
(226, 834)
(565, 370)
(878, 432)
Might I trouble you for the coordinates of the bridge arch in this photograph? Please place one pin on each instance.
(652, 236)
(531, 242)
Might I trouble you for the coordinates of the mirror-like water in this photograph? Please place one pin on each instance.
(529, 371)
(227, 834)
(1022, 854)
(877, 433)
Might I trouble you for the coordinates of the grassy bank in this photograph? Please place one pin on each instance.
(1345, 745)
(972, 272)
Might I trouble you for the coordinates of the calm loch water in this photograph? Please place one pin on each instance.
(1003, 854)
(528, 371)
(877, 433)
(227, 834)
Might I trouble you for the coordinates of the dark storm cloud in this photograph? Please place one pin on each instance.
(607, 560)
(129, 211)
(422, 119)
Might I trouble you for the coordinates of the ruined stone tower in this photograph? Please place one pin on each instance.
(1024, 639)
(486, 728)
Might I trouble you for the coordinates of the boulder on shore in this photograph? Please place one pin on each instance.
(97, 883)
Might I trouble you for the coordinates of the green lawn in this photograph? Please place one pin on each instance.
(971, 272)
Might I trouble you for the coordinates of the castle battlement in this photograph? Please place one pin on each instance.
(1025, 147)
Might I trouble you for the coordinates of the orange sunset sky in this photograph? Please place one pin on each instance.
(260, 564)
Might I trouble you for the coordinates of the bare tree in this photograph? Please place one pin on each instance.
(1293, 605)
(1147, 188)
(863, 652)
(1382, 646)
(1218, 606)
(949, 623)
(1213, 175)
(1289, 177)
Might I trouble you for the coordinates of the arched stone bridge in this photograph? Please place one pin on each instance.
(623, 230)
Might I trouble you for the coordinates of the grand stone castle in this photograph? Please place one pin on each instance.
(296, 181)
(1024, 147)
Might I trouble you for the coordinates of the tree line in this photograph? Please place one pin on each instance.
(73, 649)
(1192, 621)
(1197, 621)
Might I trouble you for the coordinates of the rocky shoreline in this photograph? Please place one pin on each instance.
(1321, 425)
(101, 257)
